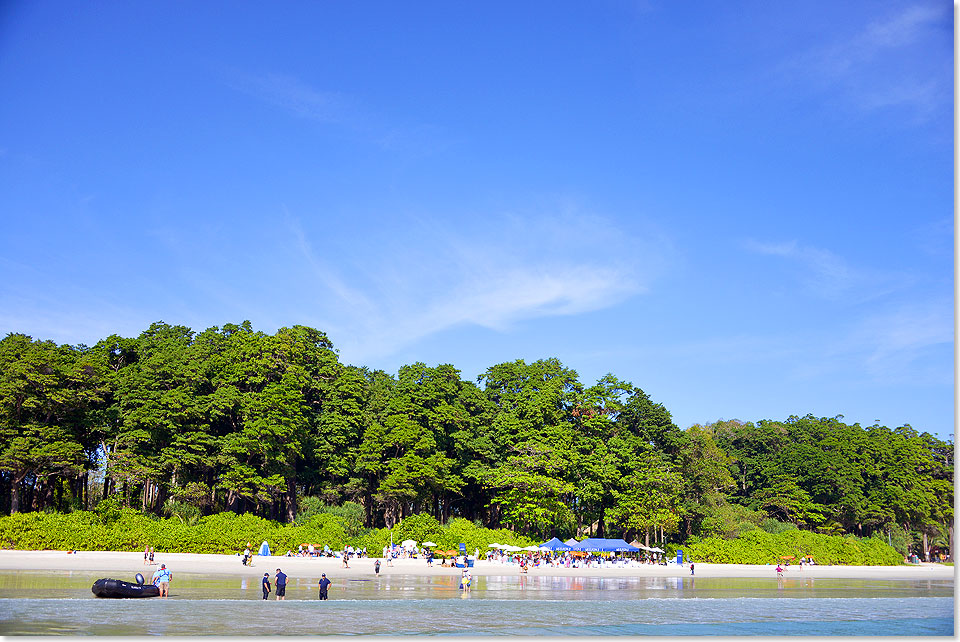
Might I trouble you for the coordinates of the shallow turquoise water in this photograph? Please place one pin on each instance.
(34, 603)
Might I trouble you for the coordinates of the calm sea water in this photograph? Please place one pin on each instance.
(52, 603)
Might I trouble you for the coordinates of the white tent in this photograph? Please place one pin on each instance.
(571, 542)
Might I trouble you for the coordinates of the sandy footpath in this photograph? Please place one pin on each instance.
(122, 564)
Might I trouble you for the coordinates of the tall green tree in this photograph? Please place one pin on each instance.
(532, 426)
(47, 397)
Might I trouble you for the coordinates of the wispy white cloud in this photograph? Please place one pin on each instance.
(825, 274)
(324, 273)
(897, 344)
(301, 99)
(897, 341)
(890, 61)
(293, 96)
(877, 38)
(435, 277)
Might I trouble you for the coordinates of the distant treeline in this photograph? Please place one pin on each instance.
(232, 419)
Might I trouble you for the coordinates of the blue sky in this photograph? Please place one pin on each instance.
(744, 209)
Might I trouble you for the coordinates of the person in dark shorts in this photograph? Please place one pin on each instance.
(281, 585)
(324, 585)
(376, 567)
(266, 585)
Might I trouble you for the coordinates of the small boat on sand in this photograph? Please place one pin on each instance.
(119, 589)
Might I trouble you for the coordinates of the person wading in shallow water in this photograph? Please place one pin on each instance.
(324, 585)
(281, 585)
(265, 584)
(161, 579)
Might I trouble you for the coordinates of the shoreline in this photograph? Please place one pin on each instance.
(132, 563)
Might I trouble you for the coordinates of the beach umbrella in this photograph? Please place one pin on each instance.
(408, 543)
(531, 548)
(657, 550)
(494, 545)
(431, 544)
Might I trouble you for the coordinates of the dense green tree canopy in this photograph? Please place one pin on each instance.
(235, 419)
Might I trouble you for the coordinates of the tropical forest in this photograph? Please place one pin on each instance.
(256, 432)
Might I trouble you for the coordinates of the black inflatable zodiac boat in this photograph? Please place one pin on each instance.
(120, 589)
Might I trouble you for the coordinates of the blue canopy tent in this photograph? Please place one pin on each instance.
(599, 545)
(556, 545)
(572, 542)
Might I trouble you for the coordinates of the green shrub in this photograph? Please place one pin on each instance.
(902, 540)
(775, 526)
(423, 527)
(186, 513)
(728, 520)
(374, 540)
(307, 507)
(111, 527)
(760, 547)
(351, 515)
(323, 529)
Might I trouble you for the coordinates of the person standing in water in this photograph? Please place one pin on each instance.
(281, 585)
(161, 579)
(324, 585)
(265, 584)
(376, 567)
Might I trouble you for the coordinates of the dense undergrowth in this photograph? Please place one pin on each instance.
(761, 547)
(123, 529)
(129, 530)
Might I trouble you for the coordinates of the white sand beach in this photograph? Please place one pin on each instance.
(123, 563)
